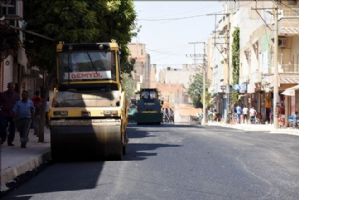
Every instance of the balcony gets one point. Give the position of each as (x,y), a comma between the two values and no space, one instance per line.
(289,68)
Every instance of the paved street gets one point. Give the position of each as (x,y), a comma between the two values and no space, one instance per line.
(179,162)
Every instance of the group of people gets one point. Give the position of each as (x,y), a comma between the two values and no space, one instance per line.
(168,115)
(244,114)
(18,113)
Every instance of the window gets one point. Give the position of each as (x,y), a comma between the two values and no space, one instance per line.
(8,7)
(87,65)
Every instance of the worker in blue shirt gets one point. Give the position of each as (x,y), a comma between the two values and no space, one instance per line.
(23,111)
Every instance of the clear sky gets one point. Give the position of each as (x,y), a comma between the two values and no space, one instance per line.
(167,40)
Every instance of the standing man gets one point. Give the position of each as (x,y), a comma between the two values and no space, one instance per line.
(24,111)
(268,105)
(238,112)
(245,115)
(252,114)
(8,100)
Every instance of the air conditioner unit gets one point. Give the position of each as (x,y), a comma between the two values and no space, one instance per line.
(282,42)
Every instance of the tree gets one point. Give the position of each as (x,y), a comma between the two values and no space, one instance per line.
(76,21)
(129,85)
(195,90)
(235,63)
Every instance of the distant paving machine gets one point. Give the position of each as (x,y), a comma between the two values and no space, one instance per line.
(148,107)
(89,107)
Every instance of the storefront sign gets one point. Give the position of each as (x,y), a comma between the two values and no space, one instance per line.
(236,87)
(243,88)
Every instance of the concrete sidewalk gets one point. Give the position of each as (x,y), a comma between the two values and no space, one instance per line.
(257,127)
(16,161)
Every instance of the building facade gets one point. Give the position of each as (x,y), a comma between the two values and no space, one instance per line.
(142,68)
(14,66)
(176,80)
(257,70)
(173,75)
(238,15)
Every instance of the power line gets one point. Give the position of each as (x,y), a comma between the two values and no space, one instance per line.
(161,52)
(166,64)
(171,19)
(289,7)
(177,18)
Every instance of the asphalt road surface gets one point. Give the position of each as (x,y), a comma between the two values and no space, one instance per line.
(178,162)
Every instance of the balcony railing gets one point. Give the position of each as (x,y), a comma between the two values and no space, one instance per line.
(289,68)
(288,12)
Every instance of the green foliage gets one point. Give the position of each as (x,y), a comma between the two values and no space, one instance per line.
(235,56)
(76,21)
(195,90)
(129,85)
(235,63)
(208,100)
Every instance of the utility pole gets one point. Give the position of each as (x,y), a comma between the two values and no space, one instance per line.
(204,118)
(228,71)
(275,13)
(227,108)
(204,73)
(276,72)
(194,55)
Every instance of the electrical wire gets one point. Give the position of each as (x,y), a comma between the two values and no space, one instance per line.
(161,52)
(292,9)
(266,24)
(262,18)
(178,18)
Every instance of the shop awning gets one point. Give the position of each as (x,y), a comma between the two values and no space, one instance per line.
(290,91)
(289,79)
(289,27)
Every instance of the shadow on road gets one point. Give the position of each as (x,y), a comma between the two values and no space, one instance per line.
(141,151)
(60,177)
(83,175)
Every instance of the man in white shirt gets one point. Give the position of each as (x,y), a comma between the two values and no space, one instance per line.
(252,113)
(245,115)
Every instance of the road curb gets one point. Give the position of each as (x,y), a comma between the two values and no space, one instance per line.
(12,176)
(252,129)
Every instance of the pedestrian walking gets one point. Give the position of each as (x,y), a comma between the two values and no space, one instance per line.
(7,102)
(24,111)
(171,115)
(238,113)
(252,114)
(245,115)
(37,103)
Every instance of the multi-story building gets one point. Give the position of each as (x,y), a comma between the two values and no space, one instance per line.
(257,70)
(256,73)
(174,75)
(237,15)
(12,57)
(142,68)
(14,65)
(172,93)
(176,80)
